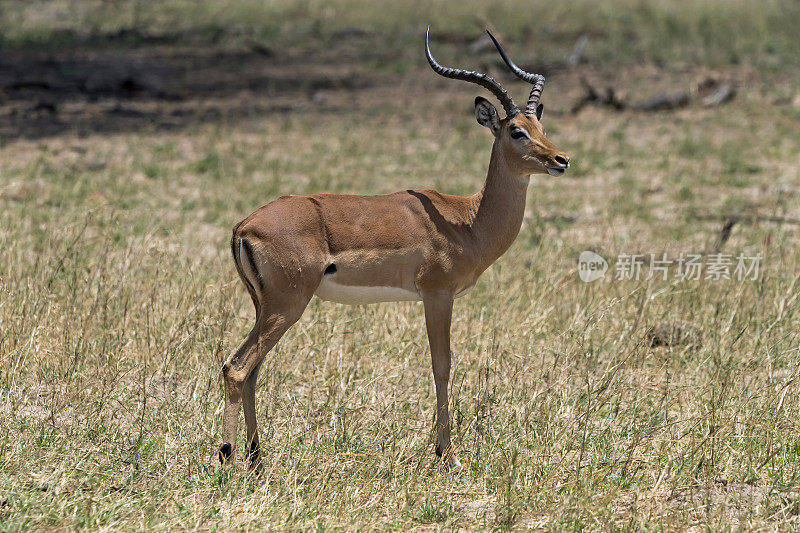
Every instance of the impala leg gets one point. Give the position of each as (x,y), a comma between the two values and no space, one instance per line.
(438,315)
(249,408)
(233,393)
(241,369)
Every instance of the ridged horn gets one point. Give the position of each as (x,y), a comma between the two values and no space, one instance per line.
(536,79)
(473,77)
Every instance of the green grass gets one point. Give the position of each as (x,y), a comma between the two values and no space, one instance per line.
(119,302)
(714,32)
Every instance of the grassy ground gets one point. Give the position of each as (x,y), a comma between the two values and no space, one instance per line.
(718,31)
(119,301)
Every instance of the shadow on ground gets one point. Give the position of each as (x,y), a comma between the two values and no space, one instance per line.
(106,89)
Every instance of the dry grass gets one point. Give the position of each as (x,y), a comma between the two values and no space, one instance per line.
(118,302)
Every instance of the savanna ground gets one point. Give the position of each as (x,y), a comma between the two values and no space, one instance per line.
(133,135)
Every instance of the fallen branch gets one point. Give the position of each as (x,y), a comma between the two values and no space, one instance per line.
(595,97)
(722,95)
(716,94)
(663,102)
(744,219)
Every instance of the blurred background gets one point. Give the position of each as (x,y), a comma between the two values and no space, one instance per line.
(84,65)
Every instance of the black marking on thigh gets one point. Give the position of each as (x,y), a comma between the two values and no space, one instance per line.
(237,261)
(248,250)
(438,451)
(330,269)
(225,452)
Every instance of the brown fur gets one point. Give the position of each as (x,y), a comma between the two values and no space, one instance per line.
(432,244)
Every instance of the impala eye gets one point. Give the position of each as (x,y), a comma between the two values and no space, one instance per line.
(517,134)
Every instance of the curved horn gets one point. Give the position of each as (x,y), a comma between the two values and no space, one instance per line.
(533,99)
(474,77)
(536,79)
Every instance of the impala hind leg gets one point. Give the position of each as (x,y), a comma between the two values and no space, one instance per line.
(438,315)
(240,373)
(249,408)
(230,415)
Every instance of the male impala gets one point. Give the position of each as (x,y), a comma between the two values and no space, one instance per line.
(419,245)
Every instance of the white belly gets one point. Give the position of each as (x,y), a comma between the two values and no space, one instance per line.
(354,294)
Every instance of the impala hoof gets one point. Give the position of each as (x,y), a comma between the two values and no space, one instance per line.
(225,453)
(254,456)
(449,459)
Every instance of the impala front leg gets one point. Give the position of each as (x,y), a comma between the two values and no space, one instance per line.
(438,315)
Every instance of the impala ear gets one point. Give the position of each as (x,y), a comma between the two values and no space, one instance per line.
(539,111)
(486,114)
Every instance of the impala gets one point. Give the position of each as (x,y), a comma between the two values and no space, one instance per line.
(419,245)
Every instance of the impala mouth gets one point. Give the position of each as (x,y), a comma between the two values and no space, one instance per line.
(556,171)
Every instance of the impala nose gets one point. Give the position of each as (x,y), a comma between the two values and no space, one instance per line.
(562,160)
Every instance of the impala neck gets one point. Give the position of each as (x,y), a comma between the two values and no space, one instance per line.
(501,206)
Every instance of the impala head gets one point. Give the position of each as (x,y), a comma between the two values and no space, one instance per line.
(520,135)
